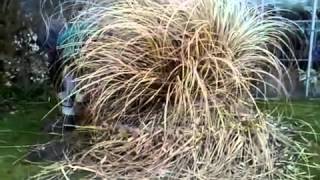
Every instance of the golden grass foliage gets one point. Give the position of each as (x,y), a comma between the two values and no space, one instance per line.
(170,90)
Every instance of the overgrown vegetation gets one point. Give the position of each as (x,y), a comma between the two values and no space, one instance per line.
(27,133)
(169,88)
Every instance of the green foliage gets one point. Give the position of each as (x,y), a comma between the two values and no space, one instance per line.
(35,92)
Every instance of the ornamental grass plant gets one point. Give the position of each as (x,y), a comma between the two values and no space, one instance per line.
(170,92)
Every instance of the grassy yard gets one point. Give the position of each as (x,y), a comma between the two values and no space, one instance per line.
(20,128)
(309,112)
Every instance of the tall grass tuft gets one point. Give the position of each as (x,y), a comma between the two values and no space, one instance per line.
(170,87)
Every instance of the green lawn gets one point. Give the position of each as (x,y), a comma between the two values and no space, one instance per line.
(19,129)
(306,111)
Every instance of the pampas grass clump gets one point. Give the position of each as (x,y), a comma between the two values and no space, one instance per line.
(170,88)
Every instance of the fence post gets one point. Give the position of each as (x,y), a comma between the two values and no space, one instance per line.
(310,58)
